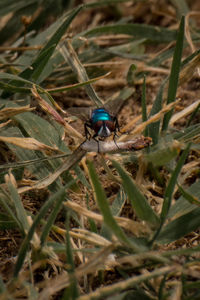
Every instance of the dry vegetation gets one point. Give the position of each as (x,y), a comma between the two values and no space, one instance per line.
(59,238)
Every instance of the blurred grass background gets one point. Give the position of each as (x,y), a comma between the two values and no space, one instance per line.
(90,225)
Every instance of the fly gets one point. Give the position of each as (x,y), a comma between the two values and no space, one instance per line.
(102,123)
(99,120)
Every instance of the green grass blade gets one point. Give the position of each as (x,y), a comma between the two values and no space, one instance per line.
(131,74)
(169,191)
(4,199)
(70,292)
(174,74)
(74,86)
(101,3)
(71,57)
(36,127)
(182,205)
(162,153)
(26,242)
(52,217)
(179,227)
(69,254)
(12,6)
(7,225)
(144,106)
(190,198)
(33,72)
(154,128)
(152,33)
(38,65)
(92,224)
(193,115)
(171,185)
(40,62)
(189,134)
(139,203)
(161,288)
(11,88)
(105,210)
(118,202)
(7,76)
(2,286)
(182,7)
(30,162)
(20,211)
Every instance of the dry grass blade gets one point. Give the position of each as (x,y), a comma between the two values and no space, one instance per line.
(187,28)
(184,113)
(90,237)
(56,116)
(67,165)
(76,85)
(30,143)
(84,235)
(9,112)
(129,283)
(140,128)
(63,280)
(47,108)
(5,124)
(188,72)
(137,259)
(133,226)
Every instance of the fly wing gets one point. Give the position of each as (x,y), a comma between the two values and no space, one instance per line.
(113,106)
(83,113)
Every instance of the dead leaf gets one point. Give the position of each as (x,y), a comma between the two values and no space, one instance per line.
(9,112)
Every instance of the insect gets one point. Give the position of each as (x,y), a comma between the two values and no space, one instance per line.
(102,123)
(99,120)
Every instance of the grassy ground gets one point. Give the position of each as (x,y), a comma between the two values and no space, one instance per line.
(77,224)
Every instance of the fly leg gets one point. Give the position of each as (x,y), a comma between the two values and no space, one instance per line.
(87,132)
(117,128)
(94,138)
(115,134)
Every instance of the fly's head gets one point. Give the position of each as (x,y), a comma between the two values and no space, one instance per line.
(103,128)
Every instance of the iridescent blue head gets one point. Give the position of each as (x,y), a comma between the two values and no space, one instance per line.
(102,122)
